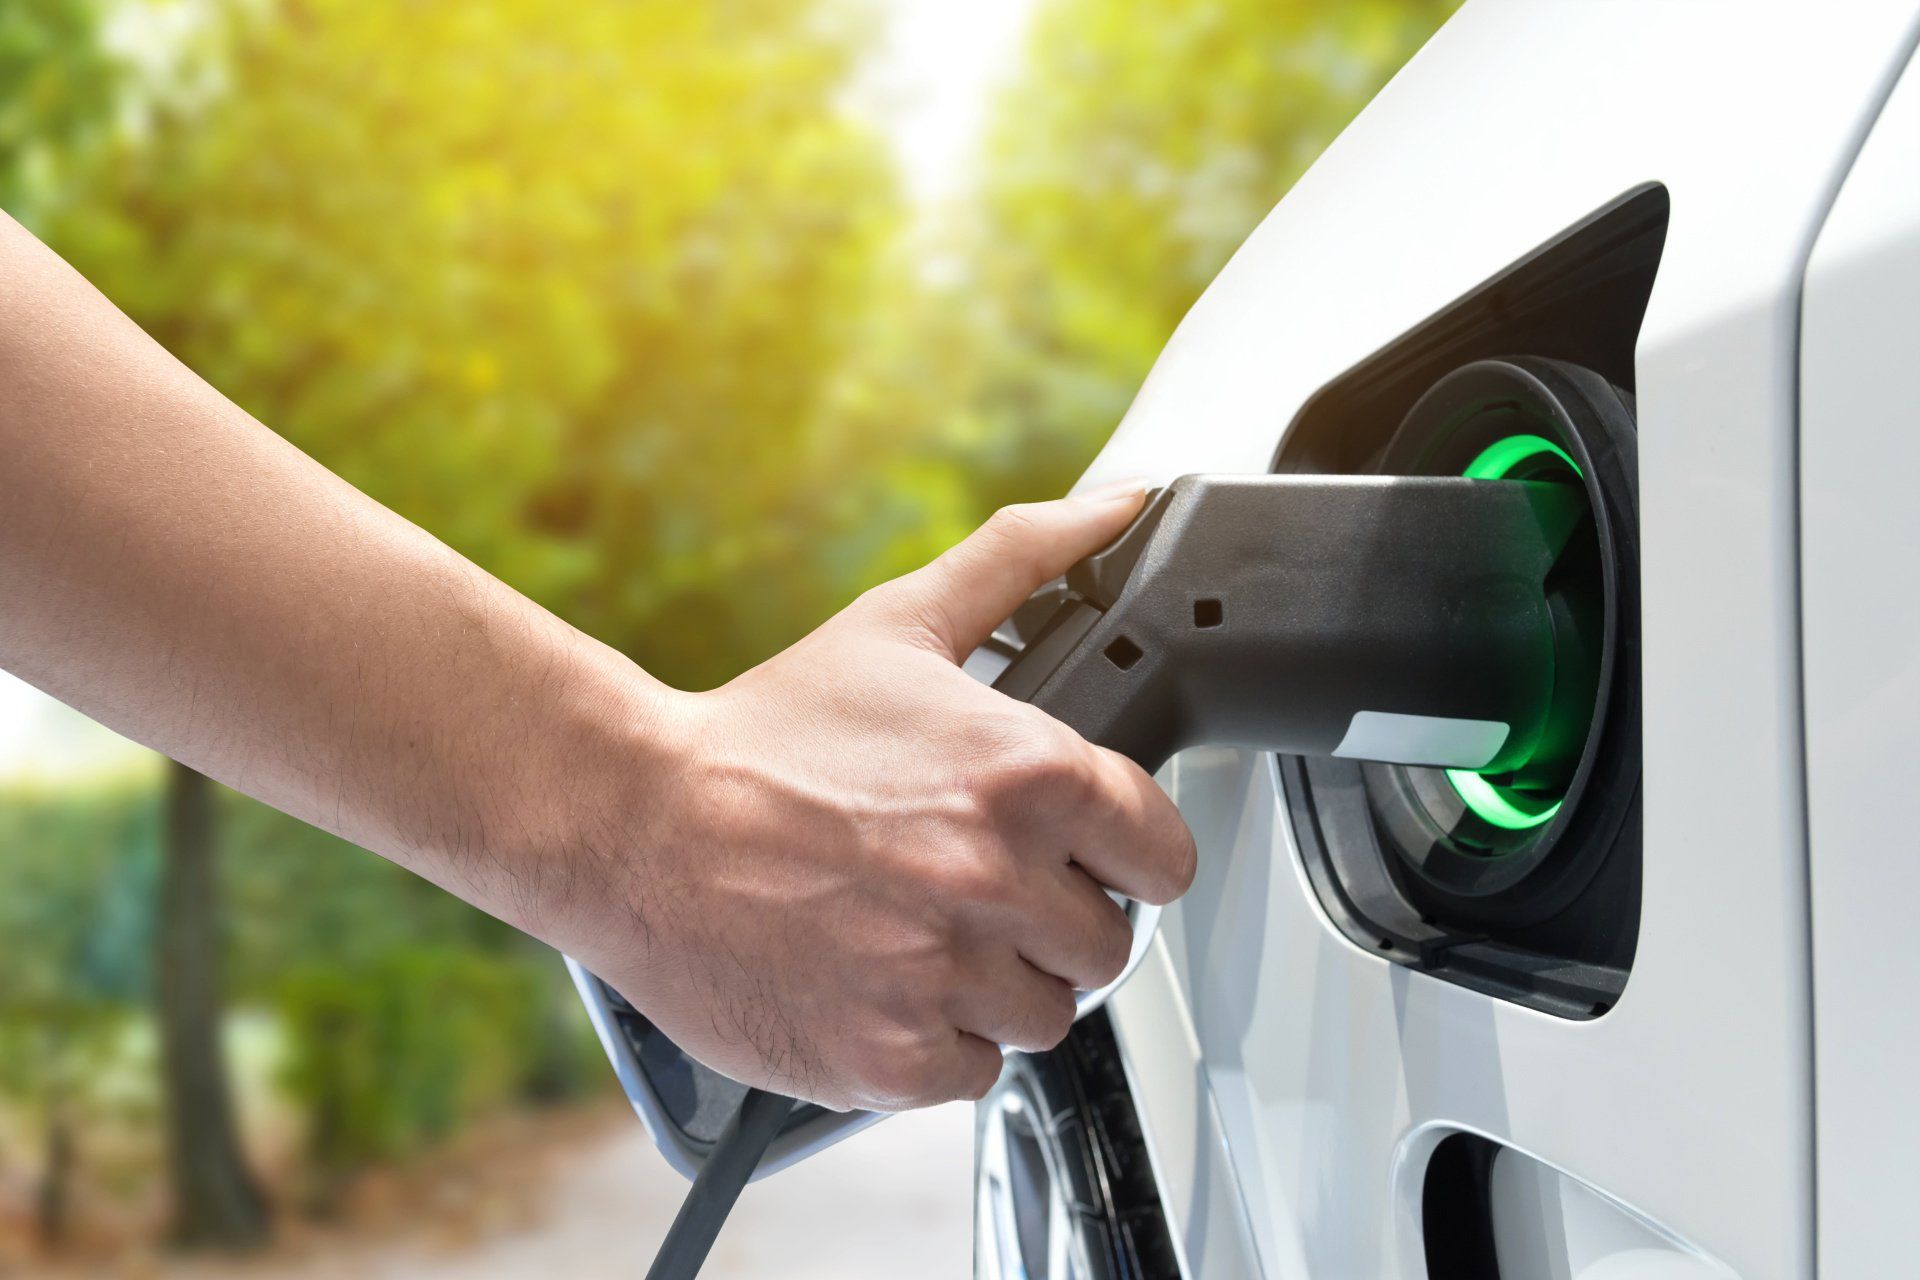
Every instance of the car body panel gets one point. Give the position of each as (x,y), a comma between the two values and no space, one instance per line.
(1860,540)
(1187,1143)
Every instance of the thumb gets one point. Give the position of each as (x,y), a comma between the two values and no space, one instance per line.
(974,587)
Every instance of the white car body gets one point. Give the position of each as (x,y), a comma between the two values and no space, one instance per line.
(1746,1107)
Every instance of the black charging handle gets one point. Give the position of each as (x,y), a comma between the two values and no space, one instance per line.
(1399,619)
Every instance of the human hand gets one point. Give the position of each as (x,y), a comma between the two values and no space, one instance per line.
(871,871)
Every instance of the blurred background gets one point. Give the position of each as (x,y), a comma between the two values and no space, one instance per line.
(689,318)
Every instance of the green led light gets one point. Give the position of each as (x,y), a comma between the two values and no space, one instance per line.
(1502,806)
(1506,807)
(1503,457)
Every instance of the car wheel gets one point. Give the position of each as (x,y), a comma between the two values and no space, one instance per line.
(1062,1186)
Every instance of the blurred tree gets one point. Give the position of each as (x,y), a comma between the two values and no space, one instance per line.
(403,1012)
(1140,146)
(216,1199)
(53,1040)
(1136,149)
(396,1049)
(75,863)
(59,90)
(564,285)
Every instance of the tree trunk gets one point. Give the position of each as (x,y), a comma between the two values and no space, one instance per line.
(216,1201)
(50,1209)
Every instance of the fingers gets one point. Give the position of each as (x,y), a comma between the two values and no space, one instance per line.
(974,587)
(1073,931)
(948,1067)
(1129,836)
(980,1062)
(1011,1003)
(1071,820)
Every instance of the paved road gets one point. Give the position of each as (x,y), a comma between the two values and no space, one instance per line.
(893,1201)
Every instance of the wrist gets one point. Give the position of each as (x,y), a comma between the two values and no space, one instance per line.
(594,783)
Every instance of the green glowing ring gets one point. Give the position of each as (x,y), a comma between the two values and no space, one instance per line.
(1503,457)
(1506,807)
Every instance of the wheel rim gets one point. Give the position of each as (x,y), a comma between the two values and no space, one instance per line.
(1024,1219)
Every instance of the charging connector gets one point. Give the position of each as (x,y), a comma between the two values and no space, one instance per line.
(1398,619)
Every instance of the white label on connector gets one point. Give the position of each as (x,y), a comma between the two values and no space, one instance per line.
(1393,738)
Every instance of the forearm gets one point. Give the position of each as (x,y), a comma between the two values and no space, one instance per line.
(188,578)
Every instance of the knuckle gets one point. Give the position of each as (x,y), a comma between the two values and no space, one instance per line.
(1174,869)
(1068,778)
(1015,742)
(997,805)
(1012,523)
(882,600)
(1010,537)
(1111,948)
(1186,863)
(997,787)
(1044,1020)
(921,985)
(1030,763)
(900,1079)
(982,1074)
(1057,1019)
(973,876)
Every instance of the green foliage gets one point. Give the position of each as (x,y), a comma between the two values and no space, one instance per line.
(1142,145)
(1139,146)
(58,88)
(392,1052)
(405,1011)
(78,869)
(79,872)
(565,285)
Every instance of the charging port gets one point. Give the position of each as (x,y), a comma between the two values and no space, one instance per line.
(1522,882)
(1495,837)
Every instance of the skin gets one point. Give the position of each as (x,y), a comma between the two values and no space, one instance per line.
(848,875)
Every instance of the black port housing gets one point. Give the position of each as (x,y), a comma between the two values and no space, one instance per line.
(1546,916)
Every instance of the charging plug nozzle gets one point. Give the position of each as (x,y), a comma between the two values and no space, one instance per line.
(1379,618)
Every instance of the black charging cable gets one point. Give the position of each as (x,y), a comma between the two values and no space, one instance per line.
(735,1156)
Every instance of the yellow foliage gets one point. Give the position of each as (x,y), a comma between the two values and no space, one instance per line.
(563,283)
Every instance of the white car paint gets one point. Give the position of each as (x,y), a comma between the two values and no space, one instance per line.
(1860,596)
(1285,1076)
